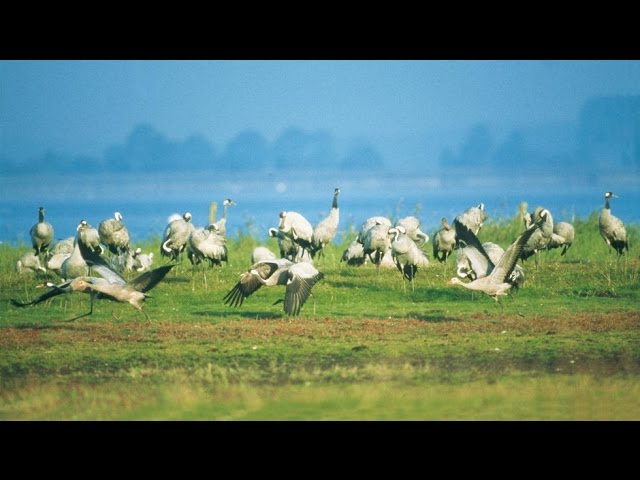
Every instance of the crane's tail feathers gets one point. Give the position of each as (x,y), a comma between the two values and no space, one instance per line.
(409,272)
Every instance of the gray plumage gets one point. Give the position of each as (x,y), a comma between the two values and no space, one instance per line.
(387,261)
(75,265)
(114,234)
(472,263)
(175,237)
(29,262)
(298,228)
(562,236)
(406,254)
(222,223)
(63,246)
(109,286)
(289,249)
(132,260)
(41,234)
(60,251)
(298,278)
(370,222)
(326,230)
(142,261)
(412,229)
(260,254)
(473,218)
(540,239)
(376,242)
(286,245)
(354,254)
(207,244)
(88,240)
(496,283)
(55,262)
(444,241)
(611,228)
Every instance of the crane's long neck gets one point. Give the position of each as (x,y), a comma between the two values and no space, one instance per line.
(41,216)
(76,254)
(334,204)
(224,211)
(457,281)
(606,203)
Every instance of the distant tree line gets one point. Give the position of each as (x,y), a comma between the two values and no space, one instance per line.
(607,136)
(147,149)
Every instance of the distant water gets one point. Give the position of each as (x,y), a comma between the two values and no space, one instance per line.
(146,202)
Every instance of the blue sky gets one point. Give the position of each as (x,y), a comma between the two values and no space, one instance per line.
(82,107)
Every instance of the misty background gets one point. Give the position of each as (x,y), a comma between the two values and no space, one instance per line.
(149,139)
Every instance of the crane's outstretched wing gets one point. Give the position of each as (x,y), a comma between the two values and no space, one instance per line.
(243,289)
(250,281)
(466,238)
(106,273)
(473,249)
(145,282)
(52,292)
(509,258)
(302,277)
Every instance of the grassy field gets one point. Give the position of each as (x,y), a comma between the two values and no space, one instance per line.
(365,347)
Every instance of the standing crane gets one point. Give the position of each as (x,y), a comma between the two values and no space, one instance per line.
(222,223)
(176,236)
(88,240)
(376,242)
(612,229)
(326,230)
(207,244)
(289,249)
(540,238)
(444,241)
(406,254)
(114,234)
(41,234)
(562,236)
(298,228)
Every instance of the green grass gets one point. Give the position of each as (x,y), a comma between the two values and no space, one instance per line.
(567,346)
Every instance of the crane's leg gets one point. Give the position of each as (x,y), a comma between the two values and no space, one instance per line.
(413,275)
(84,314)
(378,260)
(139,308)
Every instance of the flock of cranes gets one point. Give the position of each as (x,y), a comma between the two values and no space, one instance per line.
(483,267)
